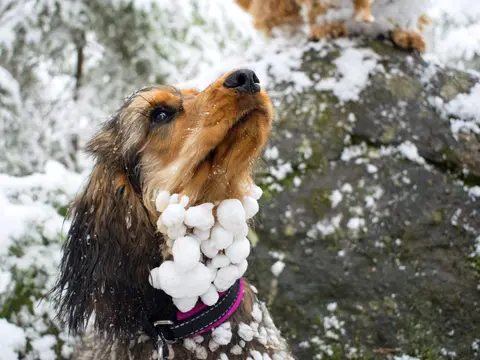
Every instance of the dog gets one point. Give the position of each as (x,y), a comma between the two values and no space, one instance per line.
(201,144)
(402,20)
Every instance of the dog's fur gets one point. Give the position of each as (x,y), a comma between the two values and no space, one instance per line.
(205,150)
(269,14)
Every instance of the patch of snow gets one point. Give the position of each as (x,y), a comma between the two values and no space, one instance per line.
(410,151)
(332,306)
(336,198)
(271,153)
(277,268)
(353,152)
(12,341)
(372,169)
(43,347)
(474,192)
(354,67)
(455,36)
(405,357)
(355,223)
(465,106)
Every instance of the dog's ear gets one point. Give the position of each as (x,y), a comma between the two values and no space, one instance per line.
(110,247)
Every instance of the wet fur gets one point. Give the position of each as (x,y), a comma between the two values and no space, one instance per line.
(207,153)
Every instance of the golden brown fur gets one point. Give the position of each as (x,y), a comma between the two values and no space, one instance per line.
(269,14)
(206,151)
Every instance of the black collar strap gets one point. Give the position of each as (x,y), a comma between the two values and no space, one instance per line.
(169,332)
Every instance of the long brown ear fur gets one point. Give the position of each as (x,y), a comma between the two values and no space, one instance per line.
(110,247)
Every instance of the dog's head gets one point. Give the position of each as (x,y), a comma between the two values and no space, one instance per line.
(196,143)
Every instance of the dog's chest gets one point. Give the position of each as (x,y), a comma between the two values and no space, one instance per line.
(257,339)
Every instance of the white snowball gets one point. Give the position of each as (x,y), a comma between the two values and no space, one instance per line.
(245,332)
(188,344)
(179,284)
(257,313)
(184,200)
(221,237)
(242,267)
(238,251)
(185,304)
(161,226)
(200,216)
(213,346)
(210,297)
(154,275)
(161,202)
(262,336)
(173,199)
(257,355)
(186,253)
(199,241)
(220,261)
(198,339)
(208,248)
(201,234)
(251,206)
(242,233)
(222,335)
(226,277)
(173,216)
(256,192)
(236,350)
(176,232)
(201,353)
(231,215)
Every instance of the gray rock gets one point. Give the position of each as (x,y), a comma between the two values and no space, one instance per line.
(394,253)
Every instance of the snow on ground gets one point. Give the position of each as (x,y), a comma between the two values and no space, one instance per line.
(466,107)
(455,35)
(354,68)
(32,222)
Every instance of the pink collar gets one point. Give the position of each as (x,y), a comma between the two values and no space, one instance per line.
(201,307)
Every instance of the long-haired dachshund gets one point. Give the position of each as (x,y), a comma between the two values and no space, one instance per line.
(402,20)
(199,144)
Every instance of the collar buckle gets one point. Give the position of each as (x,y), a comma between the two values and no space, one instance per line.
(162,323)
(161,342)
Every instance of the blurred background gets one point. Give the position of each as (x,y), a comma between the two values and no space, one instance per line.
(64,67)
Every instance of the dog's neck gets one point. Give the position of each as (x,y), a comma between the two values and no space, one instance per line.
(206,246)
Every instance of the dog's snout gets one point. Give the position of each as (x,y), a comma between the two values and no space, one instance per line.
(244,80)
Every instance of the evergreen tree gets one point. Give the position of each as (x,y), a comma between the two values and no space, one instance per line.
(74,61)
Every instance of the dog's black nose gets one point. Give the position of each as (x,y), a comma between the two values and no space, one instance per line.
(243,81)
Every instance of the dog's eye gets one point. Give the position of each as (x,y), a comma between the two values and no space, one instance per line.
(161,116)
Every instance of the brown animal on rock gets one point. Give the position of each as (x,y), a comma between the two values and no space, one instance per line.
(401,20)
